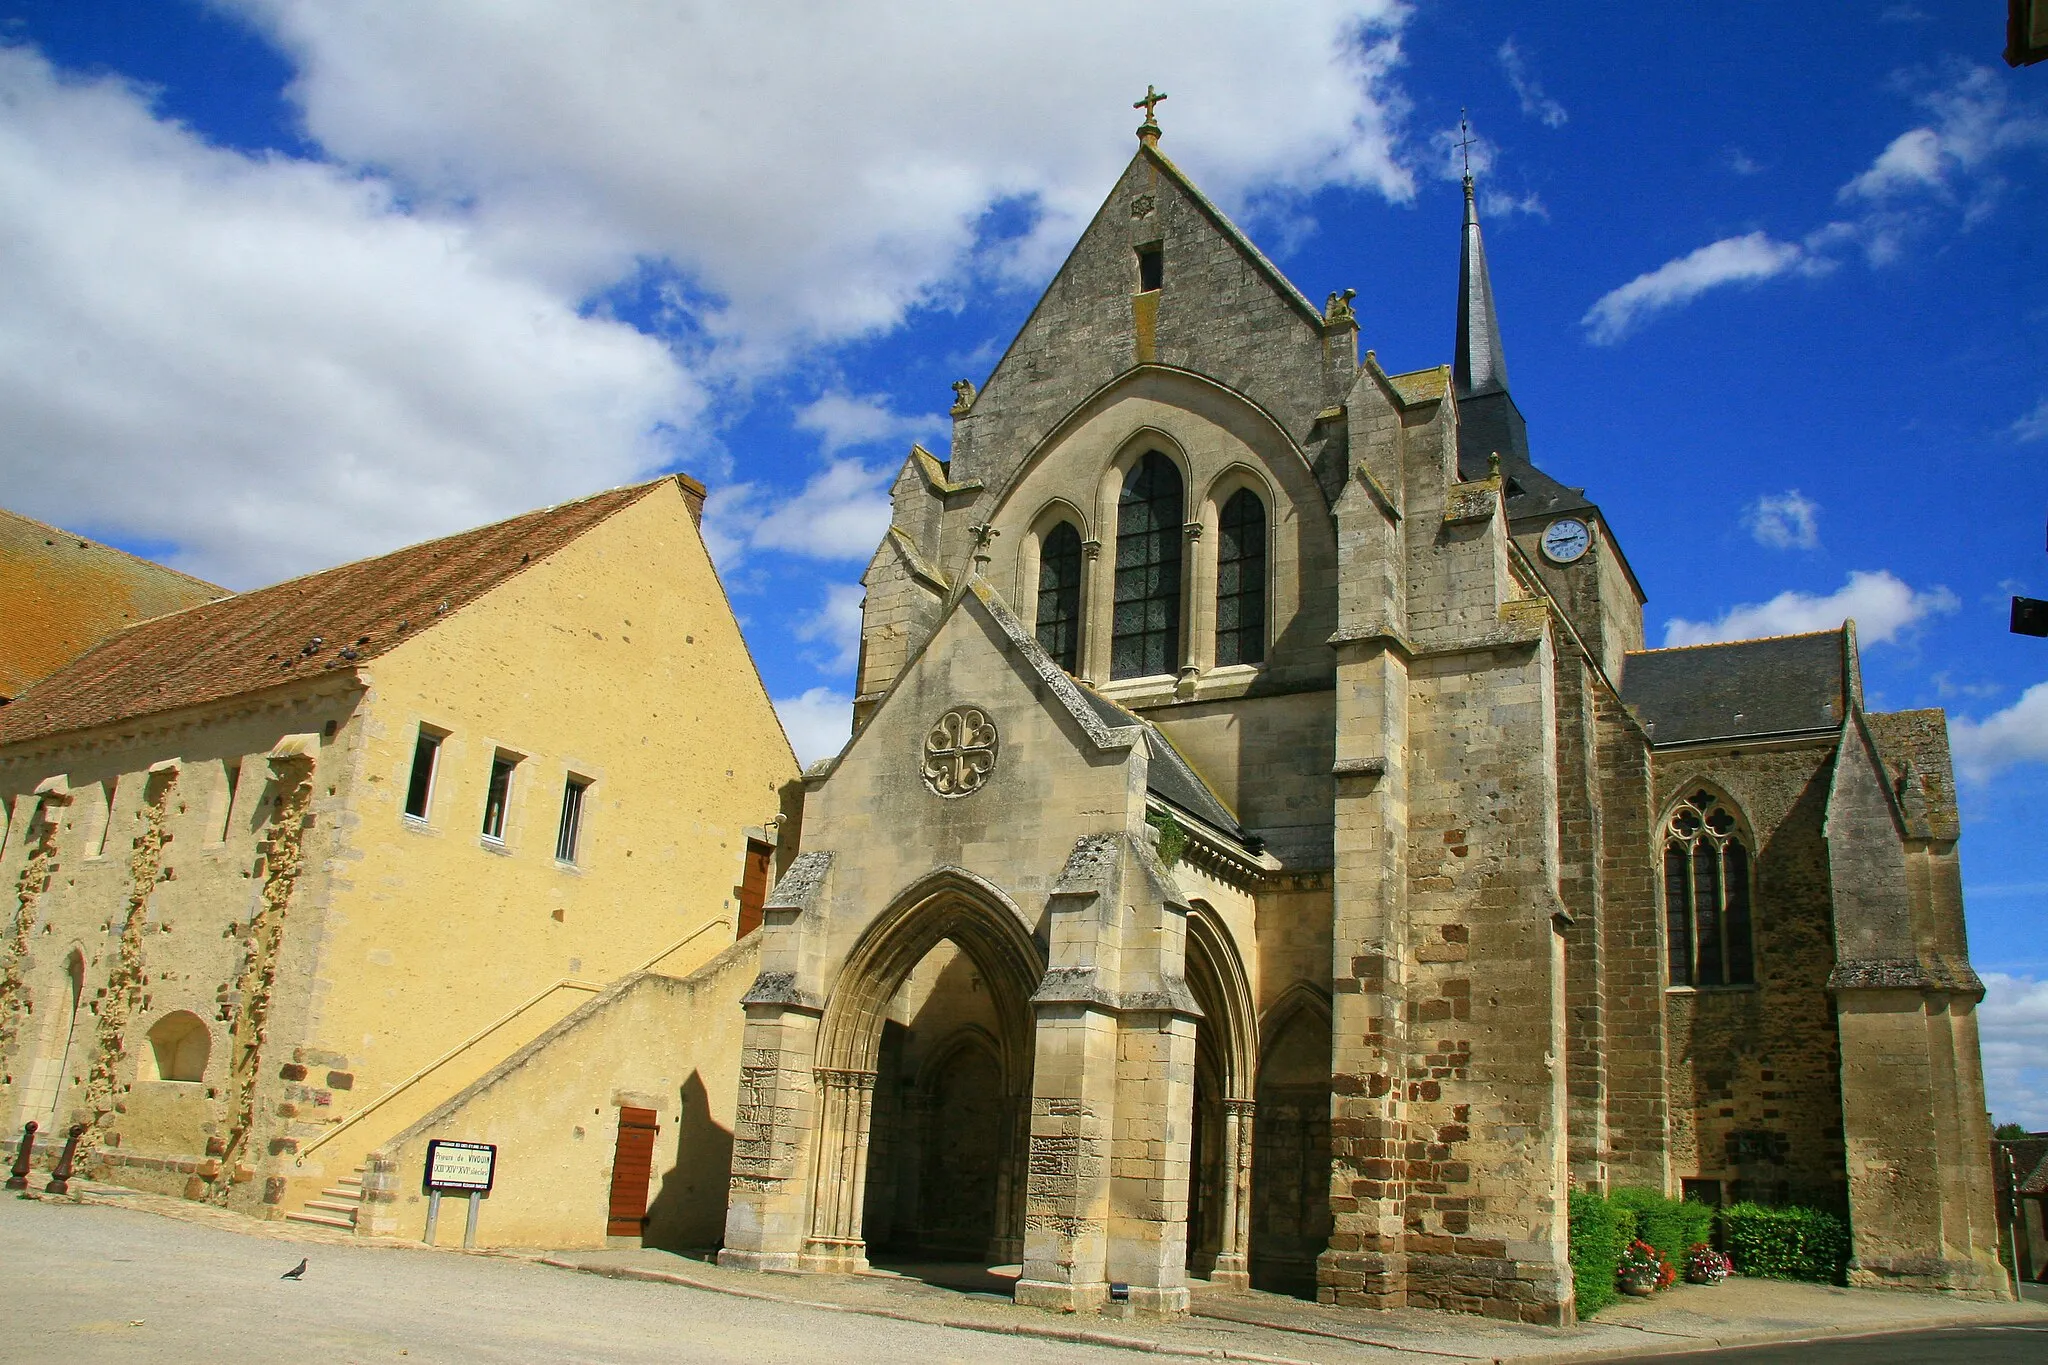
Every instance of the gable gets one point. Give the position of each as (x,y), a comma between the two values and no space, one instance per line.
(1223,311)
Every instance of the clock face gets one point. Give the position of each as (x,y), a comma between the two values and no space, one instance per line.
(1565,539)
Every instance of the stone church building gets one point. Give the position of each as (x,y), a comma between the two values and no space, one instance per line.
(1267,852)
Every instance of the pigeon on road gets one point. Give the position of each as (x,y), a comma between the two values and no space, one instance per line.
(297,1272)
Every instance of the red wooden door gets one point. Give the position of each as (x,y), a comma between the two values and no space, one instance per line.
(632,1169)
(754,887)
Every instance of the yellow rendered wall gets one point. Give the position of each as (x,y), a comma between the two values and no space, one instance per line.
(616,658)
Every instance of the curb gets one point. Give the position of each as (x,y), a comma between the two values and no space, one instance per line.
(1679,1345)
(1065,1335)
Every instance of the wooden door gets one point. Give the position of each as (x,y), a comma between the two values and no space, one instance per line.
(754,886)
(632,1171)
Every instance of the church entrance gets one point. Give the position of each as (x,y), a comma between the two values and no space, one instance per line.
(1291,1154)
(948,1125)
(924,1090)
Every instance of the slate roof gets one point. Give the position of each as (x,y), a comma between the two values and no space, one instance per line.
(63,594)
(1170,777)
(1745,689)
(336,619)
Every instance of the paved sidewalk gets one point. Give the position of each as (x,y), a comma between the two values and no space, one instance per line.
(1232,1324)
(1246,1325)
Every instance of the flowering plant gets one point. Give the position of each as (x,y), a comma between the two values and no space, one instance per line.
(1641,1265)
(1704,1265)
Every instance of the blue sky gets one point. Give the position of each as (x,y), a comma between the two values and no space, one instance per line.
(283,283)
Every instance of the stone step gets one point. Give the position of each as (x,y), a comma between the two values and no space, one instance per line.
(344,1191)
(325,1220)
(340,1206)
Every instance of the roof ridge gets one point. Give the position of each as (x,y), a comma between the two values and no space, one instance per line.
(1745,640)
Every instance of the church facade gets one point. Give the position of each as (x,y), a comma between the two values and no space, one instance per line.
(1267,854)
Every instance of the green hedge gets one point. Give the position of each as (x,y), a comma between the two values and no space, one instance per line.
(1599,1231)
(1670,1225)
(1786,1244)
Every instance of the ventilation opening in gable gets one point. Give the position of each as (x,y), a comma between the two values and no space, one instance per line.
(1151,268)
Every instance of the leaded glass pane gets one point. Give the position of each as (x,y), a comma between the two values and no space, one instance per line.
(1145,636)
(1741,959)
(1241,581)
(1678,911)
(1059,595)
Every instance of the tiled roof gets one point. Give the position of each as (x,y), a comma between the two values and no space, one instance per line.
(63,594)
(336,619)
(1744,689)
(1170,777)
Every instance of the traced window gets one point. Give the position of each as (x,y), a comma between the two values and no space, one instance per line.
(570,831)
(497,794)
(1145,639)
(1059,595)
(754,886)
(178,1047)
(426,756)
(1241,580)
(1706,895)
(1151,268)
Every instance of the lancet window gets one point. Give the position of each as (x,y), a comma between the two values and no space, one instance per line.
(1059,595)
(1706,895)
(1145,635)
(1241,580)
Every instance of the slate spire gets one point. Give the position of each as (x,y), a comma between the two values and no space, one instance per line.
(1480,367)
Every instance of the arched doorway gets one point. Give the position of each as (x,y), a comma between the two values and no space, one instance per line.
(1290,1217)
(1220,1157)
(924,1083)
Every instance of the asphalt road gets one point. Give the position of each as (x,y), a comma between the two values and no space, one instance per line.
(92,1284)
(1972,1345)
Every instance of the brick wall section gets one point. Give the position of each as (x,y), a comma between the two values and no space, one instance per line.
(1756,1075)
(1580,869)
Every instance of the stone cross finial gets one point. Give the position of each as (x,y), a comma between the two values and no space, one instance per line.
(984,541)
(1148,131)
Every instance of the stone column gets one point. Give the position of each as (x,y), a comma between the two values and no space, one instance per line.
(1007,1246)
(1233,1262)
(767,1208)
(1148,1216)
(839,1188)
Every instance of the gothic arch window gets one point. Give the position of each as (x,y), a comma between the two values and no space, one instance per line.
(1706,895)
(1059,595)
(1241,580)
(1145,634)
(179,1046)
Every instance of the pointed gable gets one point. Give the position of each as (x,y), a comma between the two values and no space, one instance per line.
(1223,310)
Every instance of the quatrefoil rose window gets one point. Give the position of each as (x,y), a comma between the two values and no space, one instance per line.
(960,751)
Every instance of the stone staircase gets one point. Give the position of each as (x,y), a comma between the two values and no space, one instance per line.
(337,1205)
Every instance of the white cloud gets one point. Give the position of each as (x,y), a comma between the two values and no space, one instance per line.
(270,365)
(818,723)
(1784,521)
(836,625)
(1880,604)
(1741,162)
(2017,734)
(841,420)
(842,513)
(1950,162)
(1499,204)
(2033,426)
(2012,1024)
(815,171)
(1755,256)
(1535,103)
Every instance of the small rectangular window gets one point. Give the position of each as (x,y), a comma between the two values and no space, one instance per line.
(1151,268)
(420,792)
(571,829)
(497,794)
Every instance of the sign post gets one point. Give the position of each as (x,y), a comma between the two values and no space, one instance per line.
(464,1168)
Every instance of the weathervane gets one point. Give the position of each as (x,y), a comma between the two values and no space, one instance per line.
(1464,144)
(1148,131)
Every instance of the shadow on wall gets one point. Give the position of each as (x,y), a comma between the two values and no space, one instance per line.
(688,1211)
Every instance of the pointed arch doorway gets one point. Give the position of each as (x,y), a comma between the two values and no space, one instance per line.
(924,1086)
(1220,1155)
